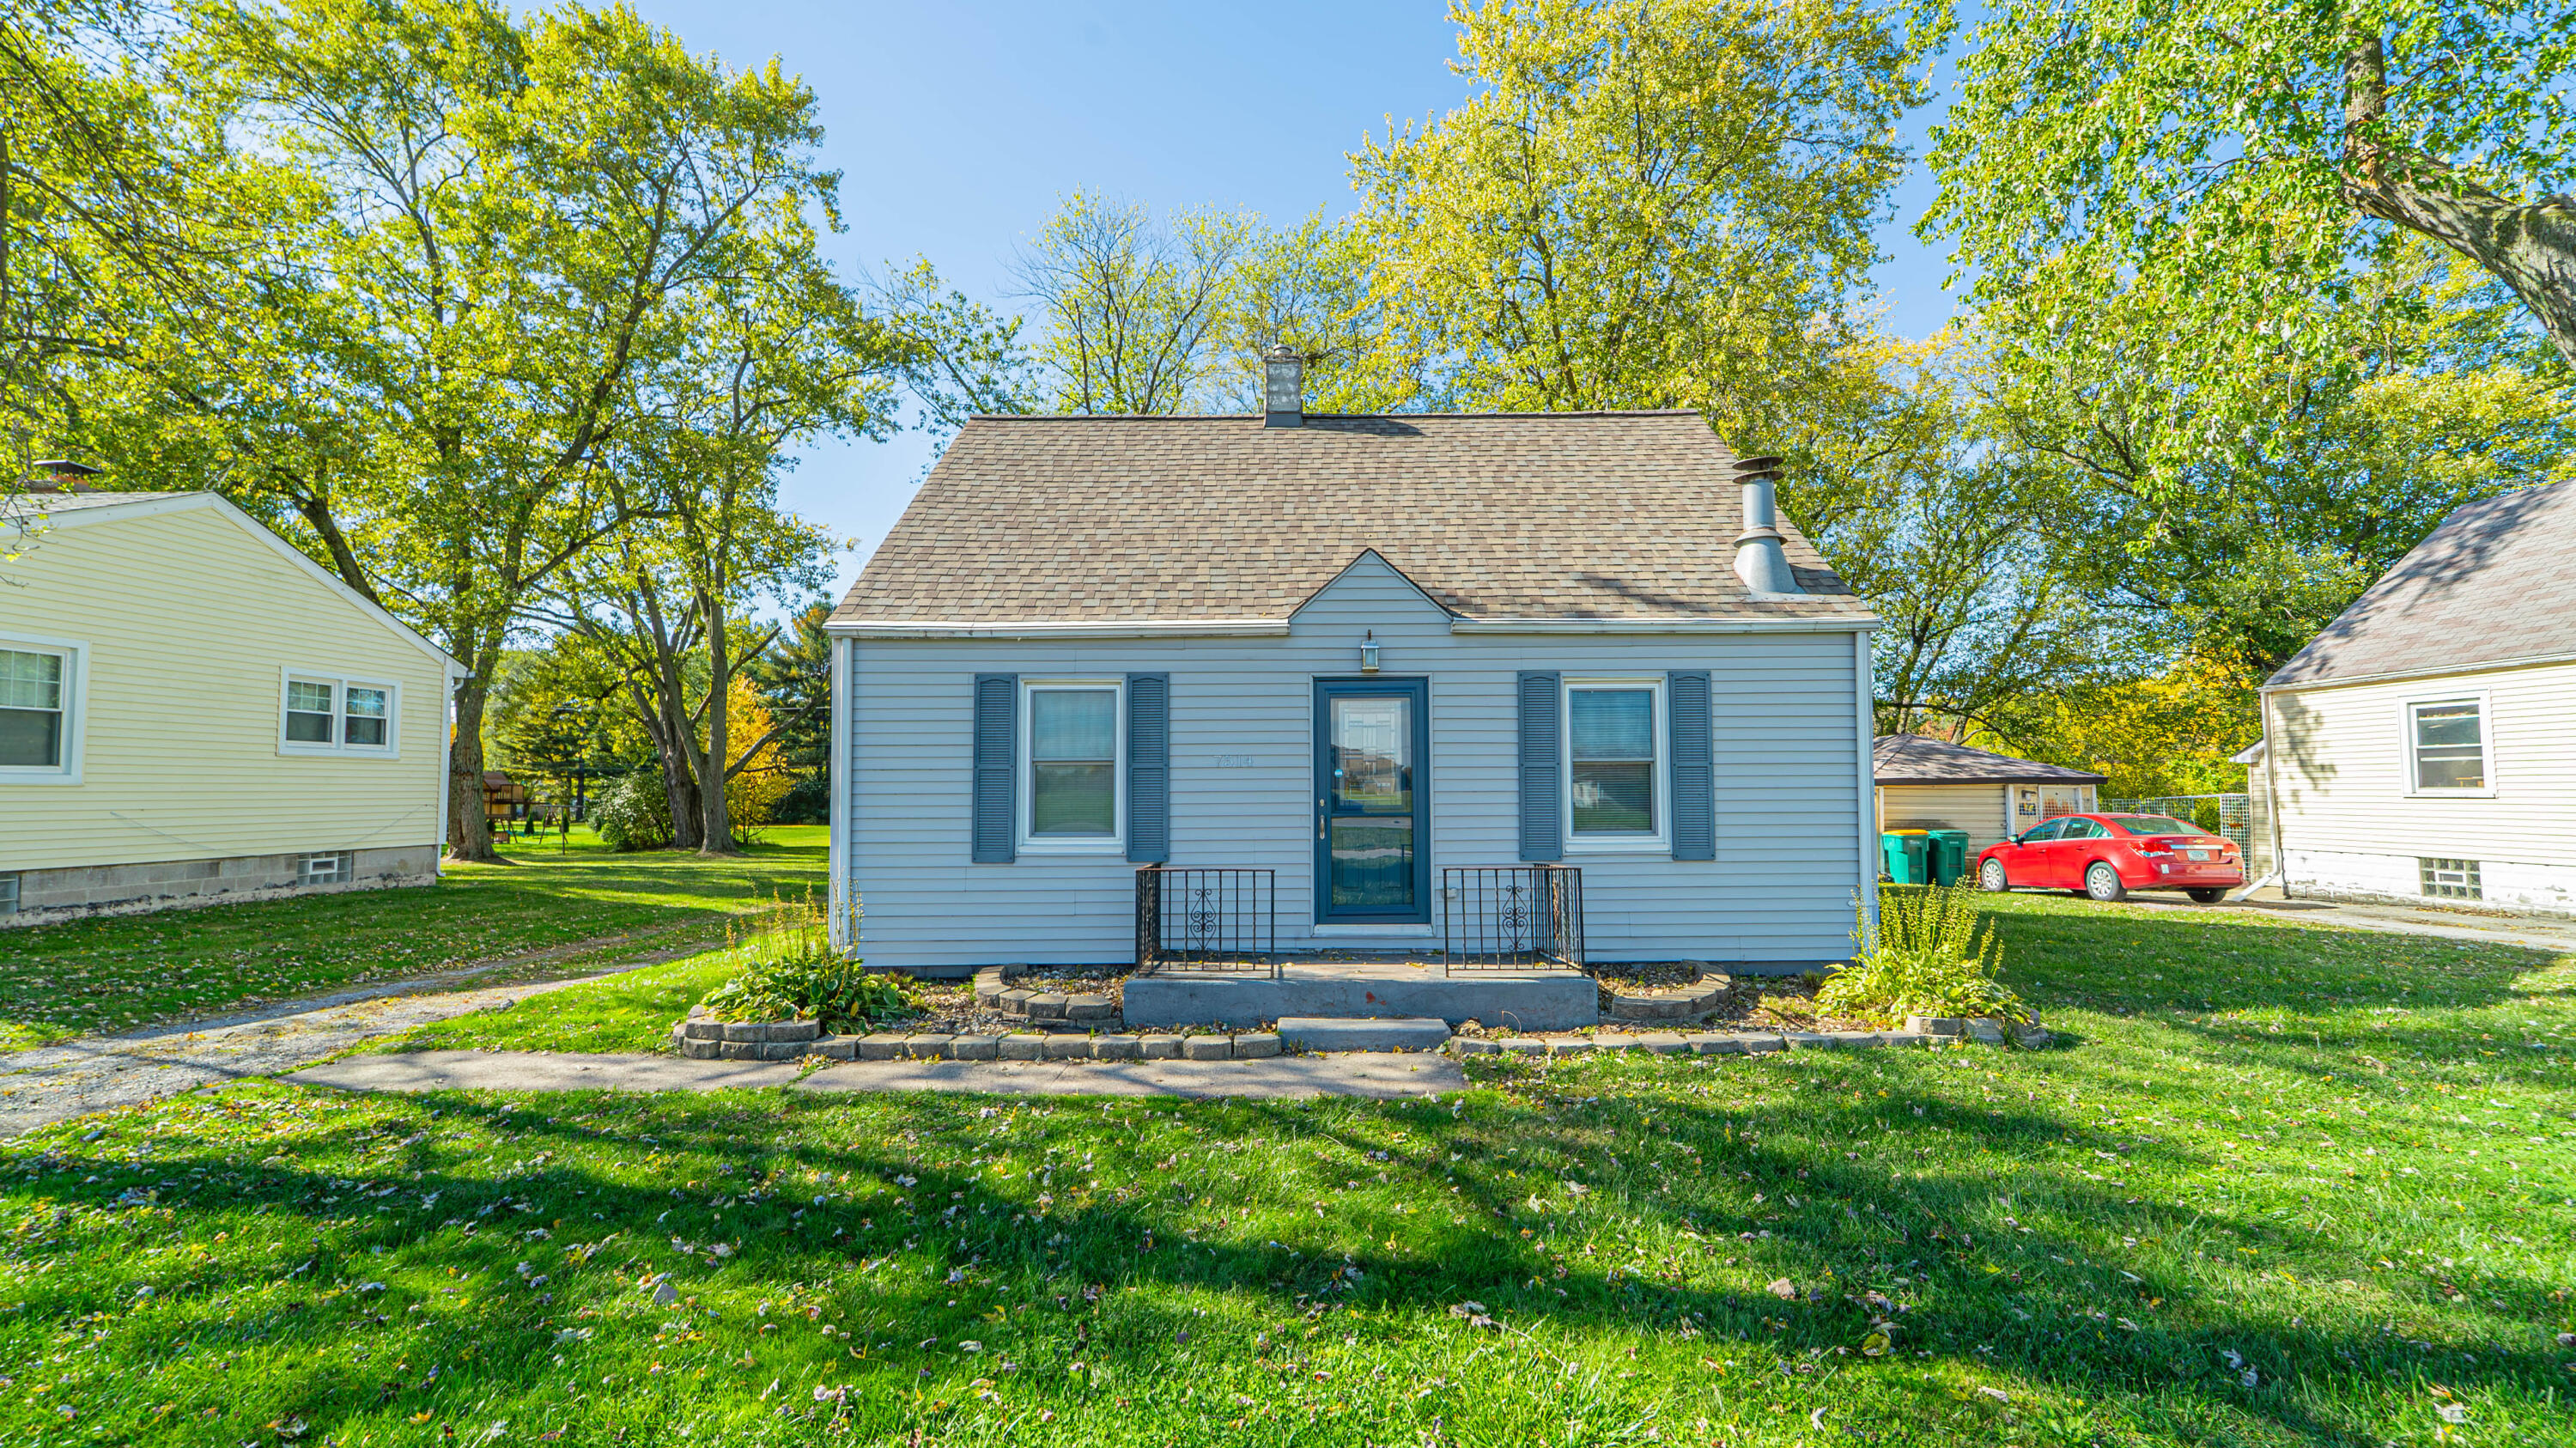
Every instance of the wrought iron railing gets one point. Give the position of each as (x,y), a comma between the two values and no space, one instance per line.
(1207,919)
(1511,917)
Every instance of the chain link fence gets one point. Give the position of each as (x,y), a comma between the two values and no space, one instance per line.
(2228,815)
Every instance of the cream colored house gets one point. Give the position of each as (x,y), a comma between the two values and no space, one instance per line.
(2421,748)
(1933,784)
(191,711)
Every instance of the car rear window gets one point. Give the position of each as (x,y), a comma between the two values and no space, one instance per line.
(2155,825)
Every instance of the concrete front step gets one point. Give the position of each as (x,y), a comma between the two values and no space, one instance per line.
(1533,1000)
(1344,1033)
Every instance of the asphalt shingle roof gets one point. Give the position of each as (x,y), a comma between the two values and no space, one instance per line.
(32,504)
(1915,759)
(1629,515)
(2496,582)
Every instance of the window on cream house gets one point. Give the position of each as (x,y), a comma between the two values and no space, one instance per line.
(2448,740)
(35,708)
(323,714)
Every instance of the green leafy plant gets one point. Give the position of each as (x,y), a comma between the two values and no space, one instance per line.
(791,972)
(634,813)
(1933,956)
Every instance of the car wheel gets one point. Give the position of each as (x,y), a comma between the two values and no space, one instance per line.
(2102,882)
(1990,876)
(2208,895)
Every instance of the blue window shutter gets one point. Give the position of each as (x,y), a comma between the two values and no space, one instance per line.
(997,737)
(1149,768)
(1542,769)
(1694,771)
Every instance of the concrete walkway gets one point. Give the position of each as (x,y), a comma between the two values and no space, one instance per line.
(1373,1074)
(95,1073)
(2530,932)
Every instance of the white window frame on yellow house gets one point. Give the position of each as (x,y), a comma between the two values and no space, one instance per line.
(340,686)
(73,704)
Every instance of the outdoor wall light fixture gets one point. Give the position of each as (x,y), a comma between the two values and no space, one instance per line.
(1368,653)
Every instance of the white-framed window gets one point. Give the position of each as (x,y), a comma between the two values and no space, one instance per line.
(334,867)
(2447,746)
(43,688)
(9,894)
(1616,755)
(320,713)
(2451,879)
(1073,779)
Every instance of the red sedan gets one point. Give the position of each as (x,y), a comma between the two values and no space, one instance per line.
(2106,856)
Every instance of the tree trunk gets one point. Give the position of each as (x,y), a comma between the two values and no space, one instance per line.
(719,838)
(2528,246)
(469,833)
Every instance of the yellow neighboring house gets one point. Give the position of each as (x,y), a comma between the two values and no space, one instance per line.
(192,711)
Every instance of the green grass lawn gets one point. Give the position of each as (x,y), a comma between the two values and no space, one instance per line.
(2285,1186)
(629,1011)
(121,972)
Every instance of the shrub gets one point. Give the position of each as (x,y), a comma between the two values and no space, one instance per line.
(792,973)
(1933,957)
(634,813)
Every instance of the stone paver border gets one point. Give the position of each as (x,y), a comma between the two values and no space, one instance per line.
(1708,991)
(1919,1031)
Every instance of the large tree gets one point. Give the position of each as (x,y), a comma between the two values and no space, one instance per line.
(1658,205)
(2249,159)
(778,357)
(513,219)
(1131,307)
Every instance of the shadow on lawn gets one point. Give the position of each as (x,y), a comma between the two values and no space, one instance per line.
(1937,1242)
(2127,959)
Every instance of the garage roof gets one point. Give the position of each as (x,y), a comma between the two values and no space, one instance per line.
(1915,759)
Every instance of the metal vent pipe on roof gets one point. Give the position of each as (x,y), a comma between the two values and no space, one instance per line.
(1759,559)
(1283,372)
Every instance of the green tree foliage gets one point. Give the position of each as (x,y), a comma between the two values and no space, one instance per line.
(2242,165)
(493,239)
(2234,524)
(1641,206)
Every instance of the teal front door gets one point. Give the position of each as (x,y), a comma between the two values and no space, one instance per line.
(1372,841)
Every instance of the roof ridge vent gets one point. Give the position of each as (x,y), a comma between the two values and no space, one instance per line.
(1759,559)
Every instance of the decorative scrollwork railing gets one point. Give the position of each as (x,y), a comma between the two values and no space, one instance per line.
(1207,919)
(1511,917)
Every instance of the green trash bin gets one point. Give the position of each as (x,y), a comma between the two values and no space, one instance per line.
(1949,855)
(1906,855)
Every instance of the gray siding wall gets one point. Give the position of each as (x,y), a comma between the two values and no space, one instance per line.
(1788,764)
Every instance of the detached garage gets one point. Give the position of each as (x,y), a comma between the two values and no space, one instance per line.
(1932,784)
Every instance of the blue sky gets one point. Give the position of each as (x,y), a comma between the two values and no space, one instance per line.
(958,124)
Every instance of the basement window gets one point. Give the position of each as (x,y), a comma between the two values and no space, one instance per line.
(2451,879)
(8,894)
(335,868)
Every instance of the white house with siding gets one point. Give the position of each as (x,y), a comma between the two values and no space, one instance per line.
(193,711)
(1355,652)
(2419,748)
